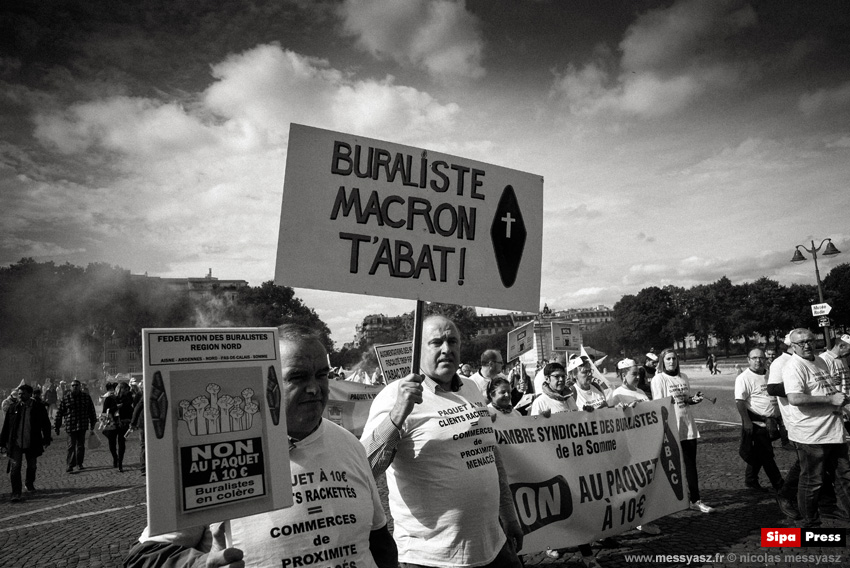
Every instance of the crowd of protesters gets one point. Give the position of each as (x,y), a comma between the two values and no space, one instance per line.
(797,392)
(29,413)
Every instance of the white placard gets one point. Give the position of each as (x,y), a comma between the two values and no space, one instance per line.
(371,217)
(566,336)
(395,360)
(520,340)
(214,419)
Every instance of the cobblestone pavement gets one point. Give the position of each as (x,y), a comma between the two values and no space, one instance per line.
(93,517)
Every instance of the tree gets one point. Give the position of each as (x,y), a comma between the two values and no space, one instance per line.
(680,323)
(644,319)
(607,338)
(726,311)
(767,300)
(836,292)
(271,305)
(464,318)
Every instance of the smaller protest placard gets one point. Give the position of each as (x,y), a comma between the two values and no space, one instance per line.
(395,359)
(214,422)
(520,340)
(566,336)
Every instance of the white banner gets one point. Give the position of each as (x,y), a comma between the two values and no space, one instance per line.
(578,476)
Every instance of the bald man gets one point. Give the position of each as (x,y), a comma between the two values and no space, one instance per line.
(433,436)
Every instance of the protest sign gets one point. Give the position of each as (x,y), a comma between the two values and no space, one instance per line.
(395,360)
(520,340)
(566,336)
(349,403)
(372,217)
(578,476)
(212,410)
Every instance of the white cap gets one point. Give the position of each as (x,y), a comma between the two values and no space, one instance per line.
(626,364)
(575,363)
(787,340)
(652,356)
(845,338)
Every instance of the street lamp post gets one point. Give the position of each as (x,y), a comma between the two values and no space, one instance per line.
(829,251)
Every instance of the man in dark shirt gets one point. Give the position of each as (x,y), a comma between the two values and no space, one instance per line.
(25,434)
(78,410)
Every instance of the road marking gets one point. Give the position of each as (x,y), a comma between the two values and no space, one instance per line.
(66,504)
(720,422)
(71,518)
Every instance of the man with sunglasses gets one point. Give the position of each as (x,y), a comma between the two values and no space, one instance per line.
(815,425)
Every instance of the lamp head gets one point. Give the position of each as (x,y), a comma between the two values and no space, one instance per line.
(830,249)
(798,256)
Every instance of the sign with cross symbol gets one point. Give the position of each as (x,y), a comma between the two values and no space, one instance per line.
(373,217)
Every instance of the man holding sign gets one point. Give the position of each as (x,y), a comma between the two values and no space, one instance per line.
(433,435)
(337,512)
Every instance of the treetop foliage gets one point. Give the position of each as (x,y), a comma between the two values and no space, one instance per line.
(656,317)
(64,301)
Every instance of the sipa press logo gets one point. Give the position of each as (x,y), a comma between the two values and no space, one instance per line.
(788,537)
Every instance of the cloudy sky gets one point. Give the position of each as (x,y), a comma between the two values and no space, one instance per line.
(680,141)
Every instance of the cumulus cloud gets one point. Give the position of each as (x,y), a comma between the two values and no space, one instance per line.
(440,36)
(206,171)
(127,125)
(270,87)
(670,56)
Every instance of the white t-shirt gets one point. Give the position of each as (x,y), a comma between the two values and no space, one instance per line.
(811,424)
(840,373)
(838,369)
(679,388)
(544,402)
(334,497)
(480,381)
(590,397)
(539,379)
(752,389)
(624,395)
(495,411)
(443,482)
(774,376)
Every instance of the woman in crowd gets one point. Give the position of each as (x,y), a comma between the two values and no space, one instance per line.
(556,395)
(628,393)
(499,397)
(117,414)
(588,393)
(670,382)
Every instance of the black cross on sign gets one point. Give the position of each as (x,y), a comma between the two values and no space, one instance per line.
(508,235)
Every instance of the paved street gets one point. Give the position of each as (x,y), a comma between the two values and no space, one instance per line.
(92,518)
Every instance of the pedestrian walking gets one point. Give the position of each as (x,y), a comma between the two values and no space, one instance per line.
(25,434)
(77,409)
